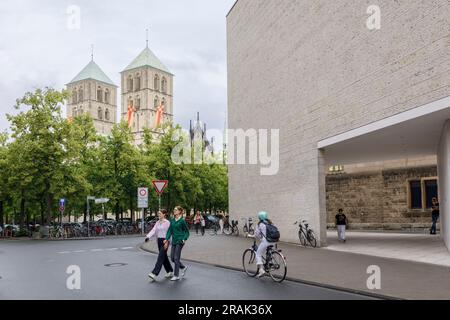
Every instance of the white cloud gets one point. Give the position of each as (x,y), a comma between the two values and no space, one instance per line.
(37,49)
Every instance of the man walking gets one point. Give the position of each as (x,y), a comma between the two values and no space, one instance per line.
(434,214)
(341,223)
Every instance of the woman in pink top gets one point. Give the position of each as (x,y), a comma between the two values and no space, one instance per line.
(160,231)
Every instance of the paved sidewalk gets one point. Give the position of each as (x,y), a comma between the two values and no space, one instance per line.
(399,278)
(416,247)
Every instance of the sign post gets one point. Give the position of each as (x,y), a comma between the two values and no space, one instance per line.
(62,207)
(102,201)
(160,185)
(142,204)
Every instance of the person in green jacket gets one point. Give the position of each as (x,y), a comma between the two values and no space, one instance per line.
(179,232)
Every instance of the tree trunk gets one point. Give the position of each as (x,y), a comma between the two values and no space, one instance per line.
(22,209)
(42,213)
(1,213)
(48,200)
(117,210)
(131,209)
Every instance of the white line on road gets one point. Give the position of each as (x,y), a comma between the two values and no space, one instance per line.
(64,252)
(79,251)
(126,248)
(112,249)
(96,250)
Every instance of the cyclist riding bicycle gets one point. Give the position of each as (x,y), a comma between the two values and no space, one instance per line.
(269,235)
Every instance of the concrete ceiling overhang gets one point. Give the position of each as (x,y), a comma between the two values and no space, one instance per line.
(408,134)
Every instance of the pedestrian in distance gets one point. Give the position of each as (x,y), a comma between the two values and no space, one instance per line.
(434,214)
(159,231)
(341,224)
(179,233)
(221,223)
(203,224)
(197,221)
(268,235)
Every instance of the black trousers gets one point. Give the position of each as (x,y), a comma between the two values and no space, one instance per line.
(175,254)
(163,259)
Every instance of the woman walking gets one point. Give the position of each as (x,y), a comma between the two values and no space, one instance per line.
(179,233)
(160,231)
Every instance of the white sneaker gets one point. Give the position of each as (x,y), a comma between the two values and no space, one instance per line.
(152,276)
(174,278)
(183,271)
(169,275)
(261,273)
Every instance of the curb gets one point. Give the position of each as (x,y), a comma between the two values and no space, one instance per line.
(73,239)
(297,280)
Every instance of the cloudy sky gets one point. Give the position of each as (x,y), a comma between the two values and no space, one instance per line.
(39,47)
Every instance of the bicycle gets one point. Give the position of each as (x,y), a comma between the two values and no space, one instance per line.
(274,262)
(306,234)
(214,227)
(231,229)
(248,226)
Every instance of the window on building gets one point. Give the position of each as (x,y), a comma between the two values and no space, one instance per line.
(130,84)
(156,83)
(107,96)
(99,94)
(156,102)
(107,114)
(80,95)
(163,102)
(80,111)
(431,191)
(138,83)
(74,112)
(138,103)
(74,96)
(164,85)
(415,188)
(100,113)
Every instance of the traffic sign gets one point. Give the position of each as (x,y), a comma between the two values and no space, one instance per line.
(142,198)
(101,200)
(160,185)
(62,205)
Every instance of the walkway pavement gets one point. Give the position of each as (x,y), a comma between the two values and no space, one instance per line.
(399,278)
(424,248)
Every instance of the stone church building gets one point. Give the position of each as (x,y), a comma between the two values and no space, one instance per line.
(146,84)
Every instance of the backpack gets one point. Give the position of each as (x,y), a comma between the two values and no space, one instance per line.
(272,233)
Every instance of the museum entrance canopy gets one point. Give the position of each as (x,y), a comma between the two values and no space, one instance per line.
(408,134)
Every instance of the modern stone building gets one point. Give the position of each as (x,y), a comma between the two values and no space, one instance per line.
(93,92)
(340,92)
(146,85)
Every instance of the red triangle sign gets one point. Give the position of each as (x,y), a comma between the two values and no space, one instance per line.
(160,185)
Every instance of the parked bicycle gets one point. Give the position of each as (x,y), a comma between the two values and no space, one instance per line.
(248,226)
(232,228)
(306,234)
(274,262)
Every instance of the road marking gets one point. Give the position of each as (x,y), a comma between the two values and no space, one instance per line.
(64,252)
(79,251)
(126,248)
(96,250)
(112,249)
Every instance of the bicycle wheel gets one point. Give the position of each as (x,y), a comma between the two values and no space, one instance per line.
(213,231)
(227,230)
(302,237)
(251,231)
(277,267)
(236,231)
(312,238)
(249,263)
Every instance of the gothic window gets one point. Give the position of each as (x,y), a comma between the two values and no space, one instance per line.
(156,83)
(138,103)
(107,96)
(164,85)
(163,102)
(100,113)
(80,94)
(137,83)
(107,114)
(130,83)
(74,112)
(99,94)
(74,96)
(156,102)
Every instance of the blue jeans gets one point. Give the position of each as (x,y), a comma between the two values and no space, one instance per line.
(433,226)
(175,254)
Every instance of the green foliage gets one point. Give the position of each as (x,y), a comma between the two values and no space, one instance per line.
(47,157)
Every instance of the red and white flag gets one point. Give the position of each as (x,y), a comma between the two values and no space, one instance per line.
(130,114)
(159,115)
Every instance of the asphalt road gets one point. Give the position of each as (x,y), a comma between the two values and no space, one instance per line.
(37,270)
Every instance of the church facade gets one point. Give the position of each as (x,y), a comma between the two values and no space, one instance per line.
(146,87)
